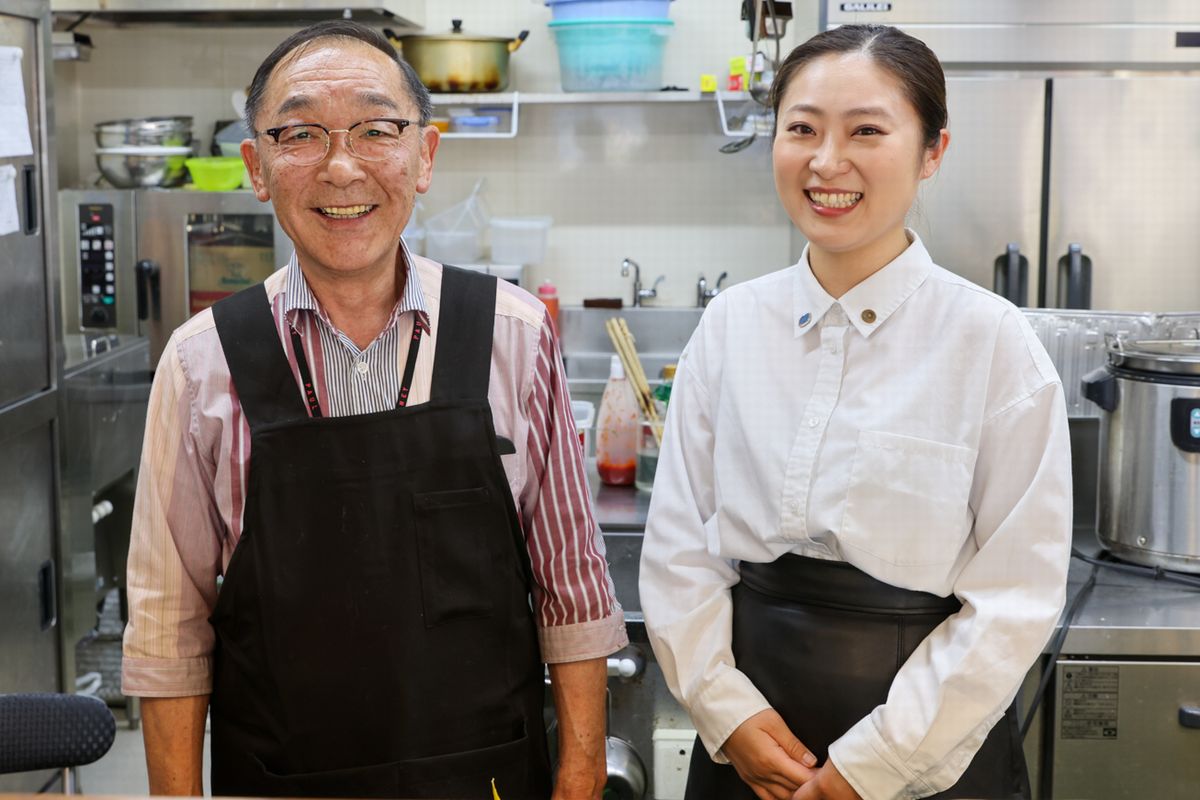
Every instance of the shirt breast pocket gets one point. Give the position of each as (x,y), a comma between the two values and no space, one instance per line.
(907,502)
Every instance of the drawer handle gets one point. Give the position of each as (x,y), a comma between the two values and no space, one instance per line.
(1189,716)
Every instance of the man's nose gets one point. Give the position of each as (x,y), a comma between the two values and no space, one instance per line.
(341,165)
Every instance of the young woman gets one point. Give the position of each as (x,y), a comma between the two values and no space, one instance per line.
(859,534)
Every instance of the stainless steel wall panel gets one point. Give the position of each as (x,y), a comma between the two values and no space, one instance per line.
(987,192)
(1124,159)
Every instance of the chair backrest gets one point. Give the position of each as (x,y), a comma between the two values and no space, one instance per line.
(52,731)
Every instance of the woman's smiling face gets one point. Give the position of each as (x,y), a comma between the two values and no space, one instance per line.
(849,153)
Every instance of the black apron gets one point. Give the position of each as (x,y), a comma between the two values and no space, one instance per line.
(822,641)
(374,631)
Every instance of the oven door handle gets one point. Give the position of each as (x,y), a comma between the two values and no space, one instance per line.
(148,301)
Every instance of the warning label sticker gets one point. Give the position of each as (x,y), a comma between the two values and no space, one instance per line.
(1090,696)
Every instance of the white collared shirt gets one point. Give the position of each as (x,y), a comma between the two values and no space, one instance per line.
(914,428)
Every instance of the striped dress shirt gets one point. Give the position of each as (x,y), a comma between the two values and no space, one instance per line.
(196,456)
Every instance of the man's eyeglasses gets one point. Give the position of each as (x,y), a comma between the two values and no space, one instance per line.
(308,144)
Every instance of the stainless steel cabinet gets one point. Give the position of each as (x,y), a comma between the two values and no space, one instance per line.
(1125,154)
(25,357)
(1119,732)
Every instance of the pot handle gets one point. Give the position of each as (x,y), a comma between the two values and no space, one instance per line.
(516,43)
(1100,387)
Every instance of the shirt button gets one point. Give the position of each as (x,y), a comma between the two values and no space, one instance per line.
(362,367)
(868,316)
(813,422)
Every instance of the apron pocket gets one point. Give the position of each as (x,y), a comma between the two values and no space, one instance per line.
(456,535)
(466,774)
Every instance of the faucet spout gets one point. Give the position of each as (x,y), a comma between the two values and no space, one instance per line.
(637,279)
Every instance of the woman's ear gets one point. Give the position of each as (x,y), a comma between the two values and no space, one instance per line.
(933,155)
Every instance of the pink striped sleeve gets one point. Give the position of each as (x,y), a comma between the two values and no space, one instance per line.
(578,613)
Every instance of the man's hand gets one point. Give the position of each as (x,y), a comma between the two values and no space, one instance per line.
(829,784)
(579,688)
(771,761)
(173,730)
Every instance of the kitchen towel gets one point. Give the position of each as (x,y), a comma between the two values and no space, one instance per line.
(14,120)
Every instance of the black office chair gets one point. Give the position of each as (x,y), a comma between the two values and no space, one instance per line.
(53,731)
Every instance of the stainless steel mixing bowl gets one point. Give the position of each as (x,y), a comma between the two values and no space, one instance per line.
(145,132)
(137,170)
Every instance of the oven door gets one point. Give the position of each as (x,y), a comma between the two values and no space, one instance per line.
(196,247)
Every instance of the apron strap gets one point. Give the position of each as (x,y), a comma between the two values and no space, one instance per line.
(261,374)
(467,317)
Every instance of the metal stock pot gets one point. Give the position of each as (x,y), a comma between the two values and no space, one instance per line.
(457,62)
(1149,490)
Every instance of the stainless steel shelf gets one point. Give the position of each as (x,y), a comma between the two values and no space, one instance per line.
(567,98)
(398,13)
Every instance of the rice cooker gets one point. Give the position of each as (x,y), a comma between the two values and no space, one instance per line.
(1148,507)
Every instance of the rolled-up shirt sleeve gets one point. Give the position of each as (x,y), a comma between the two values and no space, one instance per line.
(175,548)
(963,676)
(577,611)
(684,586)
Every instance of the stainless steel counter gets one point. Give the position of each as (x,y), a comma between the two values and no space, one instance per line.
(1124,615)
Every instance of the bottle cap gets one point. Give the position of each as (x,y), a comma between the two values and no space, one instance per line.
(547,289)
(668,372)
(615,368)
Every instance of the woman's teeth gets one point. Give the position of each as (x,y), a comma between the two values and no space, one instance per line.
(345,212)
(835,200)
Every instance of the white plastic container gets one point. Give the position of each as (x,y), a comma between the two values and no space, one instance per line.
(519,240)
(453,246)
(584,414)
(616,429)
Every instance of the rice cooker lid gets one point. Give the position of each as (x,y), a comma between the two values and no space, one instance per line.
(1169,356)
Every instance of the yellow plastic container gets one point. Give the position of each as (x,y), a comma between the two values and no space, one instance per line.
(216,173)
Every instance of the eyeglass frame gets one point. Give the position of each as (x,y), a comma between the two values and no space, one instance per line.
(274,133)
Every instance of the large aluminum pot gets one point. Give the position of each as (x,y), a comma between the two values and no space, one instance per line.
(456,62)
(1148,507)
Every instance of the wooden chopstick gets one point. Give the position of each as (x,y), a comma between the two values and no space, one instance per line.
(624,344)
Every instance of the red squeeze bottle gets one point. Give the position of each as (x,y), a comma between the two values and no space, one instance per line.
(548,294)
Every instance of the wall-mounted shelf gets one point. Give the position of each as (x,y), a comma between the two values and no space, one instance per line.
(514,101)
(398,13)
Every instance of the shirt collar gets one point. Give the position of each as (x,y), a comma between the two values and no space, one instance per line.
(869,304)
(297,295)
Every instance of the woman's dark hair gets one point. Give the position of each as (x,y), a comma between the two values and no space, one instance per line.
(335,29)
(904,56)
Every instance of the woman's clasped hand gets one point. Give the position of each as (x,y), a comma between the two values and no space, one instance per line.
(777,766)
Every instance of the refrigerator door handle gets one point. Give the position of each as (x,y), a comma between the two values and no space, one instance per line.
(1010,277)
(29,175)
(1074,278)
(148,300)
(48,593)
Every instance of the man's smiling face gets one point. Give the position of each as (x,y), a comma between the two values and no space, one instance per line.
(344,215)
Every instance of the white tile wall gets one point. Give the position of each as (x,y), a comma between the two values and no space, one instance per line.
(643,181)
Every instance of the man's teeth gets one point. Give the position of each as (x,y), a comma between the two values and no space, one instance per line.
(345,212)
(835,200)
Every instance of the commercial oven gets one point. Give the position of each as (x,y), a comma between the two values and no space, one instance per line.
(143,261)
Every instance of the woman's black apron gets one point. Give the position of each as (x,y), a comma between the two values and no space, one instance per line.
(374,630)
(822,641)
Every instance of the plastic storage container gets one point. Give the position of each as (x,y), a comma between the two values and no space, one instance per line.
(584,414)
(616,430)
(611,55)
(519,240)
(486,123)
(607,9)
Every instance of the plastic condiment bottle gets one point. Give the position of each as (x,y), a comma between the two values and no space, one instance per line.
(548,294)
(616,429)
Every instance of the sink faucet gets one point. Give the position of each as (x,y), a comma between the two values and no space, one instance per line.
(640,294)
(705,294)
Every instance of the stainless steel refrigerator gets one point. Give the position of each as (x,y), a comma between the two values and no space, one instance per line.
(29,374)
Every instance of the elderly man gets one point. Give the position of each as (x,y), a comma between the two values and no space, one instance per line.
(377,454)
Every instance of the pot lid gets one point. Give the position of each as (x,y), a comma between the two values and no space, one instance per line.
(1172,356)
(455,34)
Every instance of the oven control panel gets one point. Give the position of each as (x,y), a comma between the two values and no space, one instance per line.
(97,267)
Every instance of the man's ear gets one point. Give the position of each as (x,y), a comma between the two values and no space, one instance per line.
(254,166)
